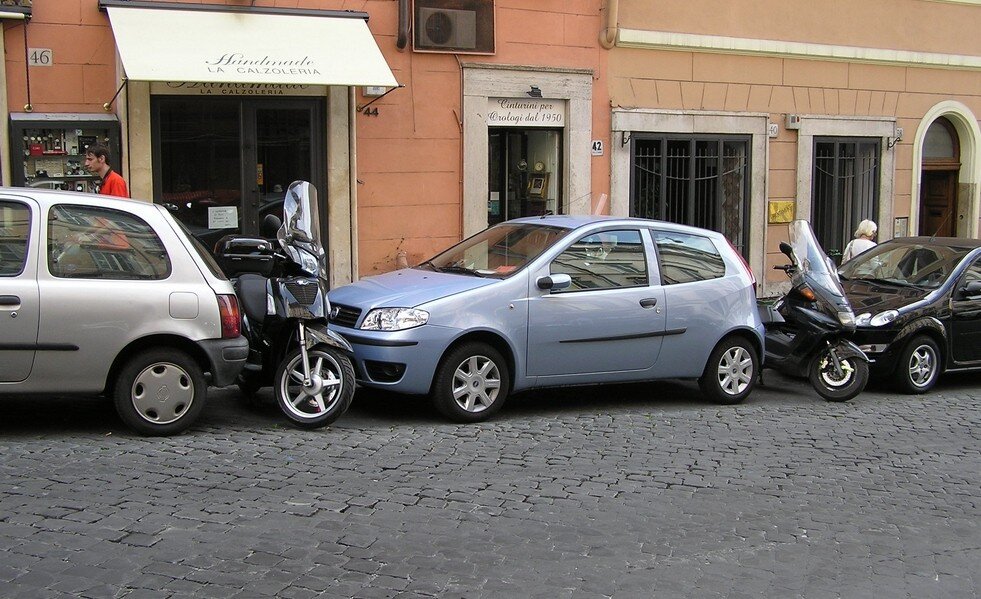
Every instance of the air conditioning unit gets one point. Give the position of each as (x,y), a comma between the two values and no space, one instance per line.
(444,28)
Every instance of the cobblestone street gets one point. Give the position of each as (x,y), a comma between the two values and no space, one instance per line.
(626,491)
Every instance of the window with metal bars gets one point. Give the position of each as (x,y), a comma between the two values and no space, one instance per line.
(701,181)
(846,189)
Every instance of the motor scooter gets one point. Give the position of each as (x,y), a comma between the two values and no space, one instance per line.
(283,294)
(807,329)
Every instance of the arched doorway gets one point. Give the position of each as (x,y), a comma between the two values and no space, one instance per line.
(938,182)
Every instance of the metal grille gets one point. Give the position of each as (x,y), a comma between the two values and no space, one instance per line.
(304,294)
(700,181)
(346,316)
(846,189)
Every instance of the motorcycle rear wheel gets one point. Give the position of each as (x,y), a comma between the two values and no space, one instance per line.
(327,397)
(832,386)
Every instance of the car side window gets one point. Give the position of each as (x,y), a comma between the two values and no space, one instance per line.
(89,242)
(607,260)
(686,258)
(15,227)
(973,272)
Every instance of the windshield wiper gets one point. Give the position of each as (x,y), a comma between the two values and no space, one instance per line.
(461,269)
(428,264)
(888,282)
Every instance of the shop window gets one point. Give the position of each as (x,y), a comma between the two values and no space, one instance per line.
(846,189)
(693,180)
(525,173)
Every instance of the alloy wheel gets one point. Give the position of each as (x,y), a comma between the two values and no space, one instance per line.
(735,370)
(476,384)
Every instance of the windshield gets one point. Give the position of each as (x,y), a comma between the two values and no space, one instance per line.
(300,234)
(904,264)
(811,259)
(498,252)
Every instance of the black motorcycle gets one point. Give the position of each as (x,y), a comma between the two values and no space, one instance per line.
(283,294)
(806,329)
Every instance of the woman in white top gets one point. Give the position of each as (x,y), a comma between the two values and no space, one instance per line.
(864,235)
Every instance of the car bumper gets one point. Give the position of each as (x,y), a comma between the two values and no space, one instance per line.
(401,361)
(878,345)
(227,358)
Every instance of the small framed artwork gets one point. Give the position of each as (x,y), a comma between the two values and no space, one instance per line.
(537,185)
(900,226)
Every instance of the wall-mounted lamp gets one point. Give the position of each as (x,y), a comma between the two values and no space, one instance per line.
(892,141)
(534,92)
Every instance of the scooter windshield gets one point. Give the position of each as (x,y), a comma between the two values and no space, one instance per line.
(300,234)
(811,259)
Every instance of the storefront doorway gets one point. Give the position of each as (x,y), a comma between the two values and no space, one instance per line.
(524,170)
(223,164)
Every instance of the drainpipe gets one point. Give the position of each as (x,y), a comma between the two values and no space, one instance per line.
(608,37)
(403,38)
(352,150)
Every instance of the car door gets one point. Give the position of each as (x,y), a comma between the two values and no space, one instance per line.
(965,317)
(610,320)
(19,301)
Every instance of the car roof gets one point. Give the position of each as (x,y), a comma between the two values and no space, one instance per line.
(567,221)
(953,242)
(52,196)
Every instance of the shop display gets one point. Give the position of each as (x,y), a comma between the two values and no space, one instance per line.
(48,150)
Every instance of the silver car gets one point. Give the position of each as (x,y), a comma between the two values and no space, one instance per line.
(557,300)
(109,296)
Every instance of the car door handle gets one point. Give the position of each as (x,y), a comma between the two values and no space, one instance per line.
(648,302)
(9,300)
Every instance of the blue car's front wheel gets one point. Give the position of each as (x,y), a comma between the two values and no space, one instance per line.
(471,383)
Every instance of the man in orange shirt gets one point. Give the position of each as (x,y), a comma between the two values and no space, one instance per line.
(97,163)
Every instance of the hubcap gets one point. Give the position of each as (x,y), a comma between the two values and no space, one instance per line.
(735,370)
(323,390)
(835,379)
(476,384)
(922,363)
(162,393)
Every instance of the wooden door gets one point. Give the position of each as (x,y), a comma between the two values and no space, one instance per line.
(937,203)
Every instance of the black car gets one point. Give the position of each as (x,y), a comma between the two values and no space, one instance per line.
(918,306)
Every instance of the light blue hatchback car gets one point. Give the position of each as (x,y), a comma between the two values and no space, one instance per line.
(557,300)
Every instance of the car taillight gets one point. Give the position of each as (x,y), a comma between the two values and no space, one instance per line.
(231,320)
(746,264)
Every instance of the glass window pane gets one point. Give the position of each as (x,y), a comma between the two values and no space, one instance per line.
(686,258)
(100,243)
(15,227)
(845,189)
(606,260)
(938,142)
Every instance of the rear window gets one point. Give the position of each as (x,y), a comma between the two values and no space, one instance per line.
(201,251)
(15,226)
(89,242)
(687,258)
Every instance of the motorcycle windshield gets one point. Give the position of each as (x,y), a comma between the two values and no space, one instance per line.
(812,261)
(300,235)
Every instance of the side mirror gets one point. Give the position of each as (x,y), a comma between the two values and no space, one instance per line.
(787,249)
(554,282)
(971,290)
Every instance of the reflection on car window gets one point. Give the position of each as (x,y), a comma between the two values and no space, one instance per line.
(922,265)
(499,251)
(14,229)
(973,273)
(606,260)
(99,243)
(685,258)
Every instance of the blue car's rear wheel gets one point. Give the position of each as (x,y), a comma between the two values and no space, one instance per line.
(731,371)
(471,383)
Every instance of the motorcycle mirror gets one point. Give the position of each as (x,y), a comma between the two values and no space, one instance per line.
(787,249)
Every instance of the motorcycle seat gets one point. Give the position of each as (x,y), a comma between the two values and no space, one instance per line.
(251,292)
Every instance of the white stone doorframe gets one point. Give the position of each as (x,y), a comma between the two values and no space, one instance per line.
(830,126)
(969,177)
(482,81)
(629,120)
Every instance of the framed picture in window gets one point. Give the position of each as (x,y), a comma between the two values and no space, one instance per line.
(537,185)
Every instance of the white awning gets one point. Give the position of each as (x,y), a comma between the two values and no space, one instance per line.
(237,47)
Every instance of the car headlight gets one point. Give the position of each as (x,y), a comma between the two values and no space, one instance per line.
(883,318)
(846,318)
(394,319)
(863,319)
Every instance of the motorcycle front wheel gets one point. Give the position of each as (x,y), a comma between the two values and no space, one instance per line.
(328,393)
(835,386)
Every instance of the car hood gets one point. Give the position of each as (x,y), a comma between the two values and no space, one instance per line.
(406,288)
(875,297)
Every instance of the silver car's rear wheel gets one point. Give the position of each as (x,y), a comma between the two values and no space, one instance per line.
(472,383)
(160,392)
(731,371)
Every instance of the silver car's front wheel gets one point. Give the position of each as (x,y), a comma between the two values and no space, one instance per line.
(472,383)
(731,371)
(160,392)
